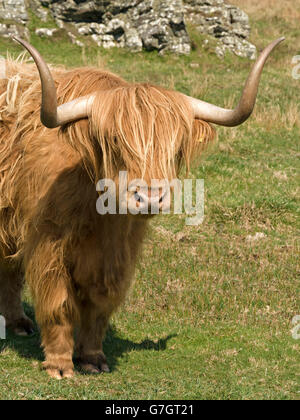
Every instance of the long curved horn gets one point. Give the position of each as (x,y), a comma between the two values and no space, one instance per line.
(231,118)
(51,115)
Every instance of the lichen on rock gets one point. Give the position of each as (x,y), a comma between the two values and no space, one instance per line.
(227,23)
(13,18)
(149,24)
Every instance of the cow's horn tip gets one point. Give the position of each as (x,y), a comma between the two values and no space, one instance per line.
(16,39)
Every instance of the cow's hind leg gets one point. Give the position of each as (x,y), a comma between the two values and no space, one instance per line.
(11,285)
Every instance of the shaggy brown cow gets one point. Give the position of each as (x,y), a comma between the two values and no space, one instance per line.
(77,263)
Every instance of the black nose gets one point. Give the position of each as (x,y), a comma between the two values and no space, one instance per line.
(138,198)
(162,196)
(146,200)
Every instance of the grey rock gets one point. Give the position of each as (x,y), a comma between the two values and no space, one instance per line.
(45,32)
(241,47)
(13,10)
(40,11)
(160,25)
(74,40)
(135,24)
(13,17)
(227,23)
(84,30)
(97,39)
(7,30)
(133,40)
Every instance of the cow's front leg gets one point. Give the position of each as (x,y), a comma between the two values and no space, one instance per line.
(55,306)
(58,343)
(89,350)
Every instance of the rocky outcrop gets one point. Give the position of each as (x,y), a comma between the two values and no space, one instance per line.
(13,18)
(14,11)
(136,24)
(229,24)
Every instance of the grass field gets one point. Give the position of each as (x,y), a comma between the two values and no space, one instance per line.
(210,313)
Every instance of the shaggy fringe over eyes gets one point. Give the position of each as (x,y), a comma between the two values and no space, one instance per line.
(147,130)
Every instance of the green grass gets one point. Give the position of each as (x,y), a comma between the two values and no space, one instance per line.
(210,312)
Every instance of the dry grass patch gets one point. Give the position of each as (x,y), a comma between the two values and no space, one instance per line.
(288,10)
(272,117)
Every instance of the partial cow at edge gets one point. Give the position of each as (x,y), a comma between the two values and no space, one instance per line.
(91,125)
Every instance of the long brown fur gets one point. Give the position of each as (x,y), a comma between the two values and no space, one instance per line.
(77,263)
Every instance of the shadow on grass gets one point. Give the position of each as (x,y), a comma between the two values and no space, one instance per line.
(114,347)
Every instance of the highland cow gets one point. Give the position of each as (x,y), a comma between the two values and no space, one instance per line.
(91,125)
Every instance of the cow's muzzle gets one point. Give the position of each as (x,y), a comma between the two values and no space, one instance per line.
(149,201)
